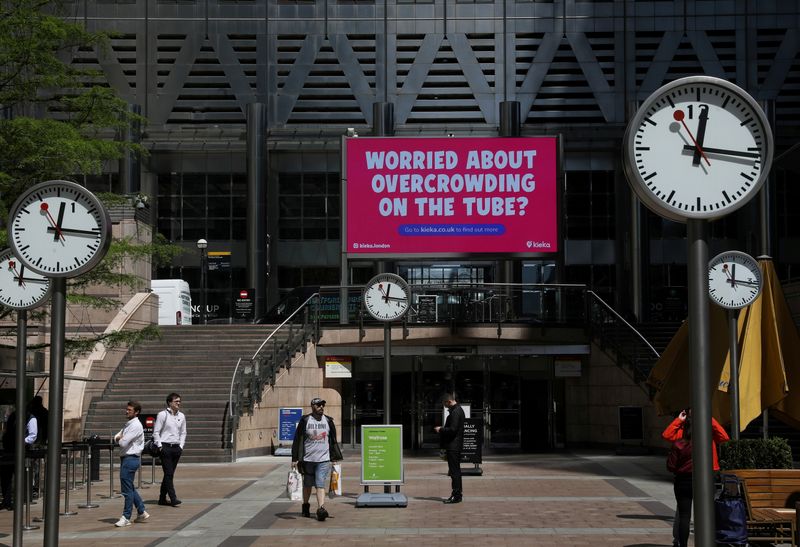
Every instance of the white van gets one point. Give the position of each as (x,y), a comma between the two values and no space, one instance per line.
(174,301)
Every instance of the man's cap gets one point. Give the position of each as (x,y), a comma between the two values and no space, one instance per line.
(317,401)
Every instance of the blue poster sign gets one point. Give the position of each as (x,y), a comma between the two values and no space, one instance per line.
(287,421)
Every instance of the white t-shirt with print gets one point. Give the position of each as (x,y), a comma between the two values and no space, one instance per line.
(317,448)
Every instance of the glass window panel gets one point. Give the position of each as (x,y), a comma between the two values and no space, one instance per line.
(194,184)
(314,184)
(194,206)
(218,228)
(194,229)
(289,278)
(290,206)
(289,229)
(334,187)
(333,206)
(289,184)
(313,206)
(169,228)
(239,206)
(239,228)
(334,229)
(191,274)
(219,206)
(314,229)
(169,206)
(239,184)
(219,185)
(169,184)
(239,278)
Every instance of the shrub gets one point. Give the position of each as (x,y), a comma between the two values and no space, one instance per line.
(773,453)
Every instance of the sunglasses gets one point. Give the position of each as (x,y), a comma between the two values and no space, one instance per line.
(319,404)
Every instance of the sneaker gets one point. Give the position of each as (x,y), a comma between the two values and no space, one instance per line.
(322,513)
(122,522)
(307,510)
(142,517)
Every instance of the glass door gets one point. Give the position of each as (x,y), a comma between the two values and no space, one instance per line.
(504,403)
(435,378)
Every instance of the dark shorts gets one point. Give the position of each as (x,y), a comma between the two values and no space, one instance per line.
(316,474)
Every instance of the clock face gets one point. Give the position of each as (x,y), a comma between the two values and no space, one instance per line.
(698,148)
(387,297)
(20,288)
(734,279)
(59,229)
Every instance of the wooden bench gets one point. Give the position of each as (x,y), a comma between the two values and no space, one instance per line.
(770,495)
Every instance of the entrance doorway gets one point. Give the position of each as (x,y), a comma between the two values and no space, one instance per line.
(514,396)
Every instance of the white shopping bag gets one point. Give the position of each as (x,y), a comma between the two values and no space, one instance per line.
(294,485)
(336,480)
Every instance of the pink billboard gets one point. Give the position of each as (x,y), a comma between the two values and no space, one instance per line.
(451,195)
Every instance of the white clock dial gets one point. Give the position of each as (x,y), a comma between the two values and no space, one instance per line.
(387,297)
(734,279)
(20,288)
(59,229)
(697,148)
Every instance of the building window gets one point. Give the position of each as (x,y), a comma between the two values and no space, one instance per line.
(589,205)
(309,206)
(202,205)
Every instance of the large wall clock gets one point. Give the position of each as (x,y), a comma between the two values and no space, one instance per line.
(387,297)
(59,229)
(698,148)
(20,288)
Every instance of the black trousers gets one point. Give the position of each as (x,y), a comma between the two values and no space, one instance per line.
(454,469)
(169,461)
(683,497)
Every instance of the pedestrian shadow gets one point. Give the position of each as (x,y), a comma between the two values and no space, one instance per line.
(649,545)
(289,516)
(430,498)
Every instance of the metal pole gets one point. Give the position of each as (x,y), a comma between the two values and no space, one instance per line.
(19,451)
(53,471)
(387,373)
(203,268)
(733,386)
(700,363)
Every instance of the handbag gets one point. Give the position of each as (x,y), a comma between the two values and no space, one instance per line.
(336,480)
(730,512)
(151,448)
(294,485)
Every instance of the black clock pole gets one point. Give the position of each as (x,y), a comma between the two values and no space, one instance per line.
(20,489)
(700,362)
(53,469)
(733,384)
(387,372)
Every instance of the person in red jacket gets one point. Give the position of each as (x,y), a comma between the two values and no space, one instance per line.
(679,432)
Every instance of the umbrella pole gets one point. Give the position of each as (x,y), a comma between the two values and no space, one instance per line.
(733,387)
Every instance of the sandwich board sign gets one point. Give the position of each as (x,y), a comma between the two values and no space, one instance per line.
(382,464)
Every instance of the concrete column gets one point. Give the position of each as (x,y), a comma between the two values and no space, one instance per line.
(510,126)
(257,259)
(382,126)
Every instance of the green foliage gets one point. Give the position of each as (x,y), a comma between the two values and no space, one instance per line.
(59,120)
(772,453)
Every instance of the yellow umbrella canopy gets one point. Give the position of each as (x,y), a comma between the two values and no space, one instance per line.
(768,366)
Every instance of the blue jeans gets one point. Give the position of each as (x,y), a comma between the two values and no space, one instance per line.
(127,472)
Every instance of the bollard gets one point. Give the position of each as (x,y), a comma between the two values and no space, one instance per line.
(28,483)
(111,493)
(67,512)
(88,465)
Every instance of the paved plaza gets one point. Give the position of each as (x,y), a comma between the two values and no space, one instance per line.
(584,498)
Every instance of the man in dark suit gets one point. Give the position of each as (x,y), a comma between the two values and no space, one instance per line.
(451,437)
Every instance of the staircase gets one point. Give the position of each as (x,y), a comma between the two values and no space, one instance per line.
(196,361)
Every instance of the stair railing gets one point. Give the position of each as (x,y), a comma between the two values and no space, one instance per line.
(251,375)
(628,346)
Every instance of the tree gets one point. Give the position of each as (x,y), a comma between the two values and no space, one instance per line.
(59,121)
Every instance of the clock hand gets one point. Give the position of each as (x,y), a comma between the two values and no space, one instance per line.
(386,296)
(701,136)
(725,151)
(679,116)
(60,220)
(76,231)
(13,266)
(57,228)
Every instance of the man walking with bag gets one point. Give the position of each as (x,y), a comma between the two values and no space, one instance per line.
(169,434)
(313,450)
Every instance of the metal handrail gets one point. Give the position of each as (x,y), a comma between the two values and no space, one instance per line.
(618,316)
(269,337)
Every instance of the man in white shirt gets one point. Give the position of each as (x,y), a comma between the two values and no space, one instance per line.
(131,444)
(169,434)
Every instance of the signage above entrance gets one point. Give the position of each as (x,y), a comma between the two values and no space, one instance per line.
(451,196)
